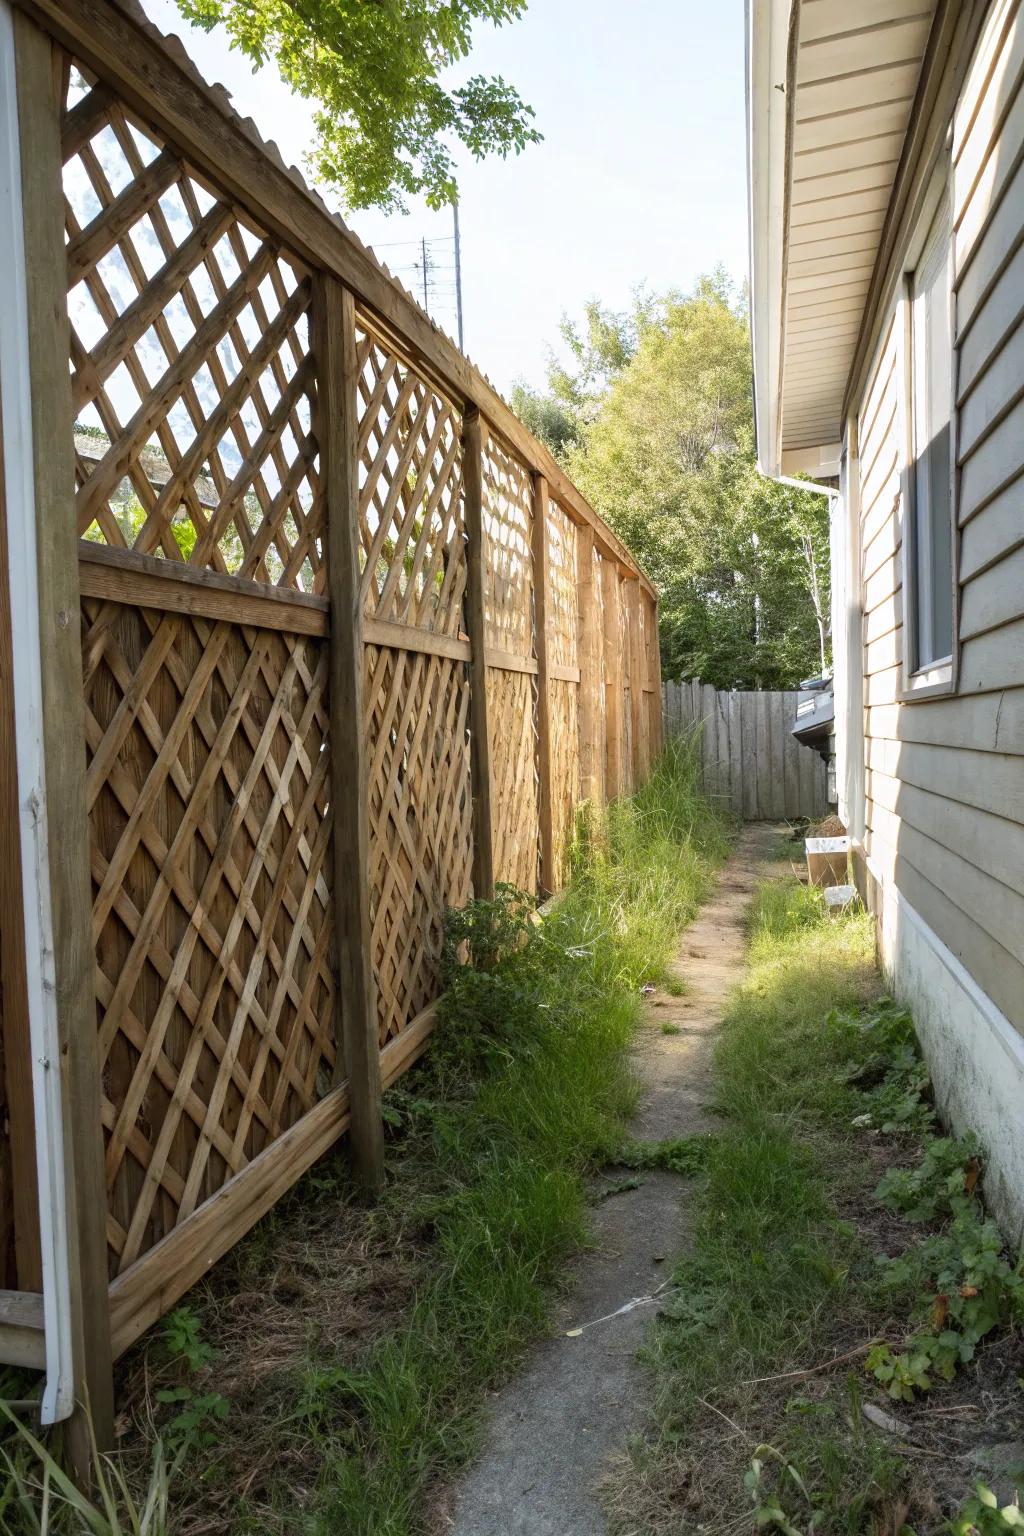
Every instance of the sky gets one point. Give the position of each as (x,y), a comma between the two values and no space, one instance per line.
(640,179)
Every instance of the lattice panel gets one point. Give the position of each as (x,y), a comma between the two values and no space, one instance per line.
(421,836)
(410,495)
(565,763)
(514,792)
(563,602)
(508,561)
(191,370)
(208,806)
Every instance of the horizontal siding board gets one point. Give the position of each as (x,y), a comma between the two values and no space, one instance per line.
(993,533)
(997,462)
(993,843)
(996,971)
(994,322)
(988,190)
(990,781)
(992,397)
(992,661)
(994,599)
(985,722)
(975,278)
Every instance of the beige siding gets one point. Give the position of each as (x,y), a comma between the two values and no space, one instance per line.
(945,777)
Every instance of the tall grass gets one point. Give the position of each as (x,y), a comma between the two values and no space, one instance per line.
(772,1269)
(513,1119)
(527,1085)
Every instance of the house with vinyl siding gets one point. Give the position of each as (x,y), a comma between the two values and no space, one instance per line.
(886,158)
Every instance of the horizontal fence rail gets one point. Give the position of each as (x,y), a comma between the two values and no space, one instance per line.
(749,758)
(352,649)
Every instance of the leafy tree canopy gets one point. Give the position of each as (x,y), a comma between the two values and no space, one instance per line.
(385,124)
(653,419)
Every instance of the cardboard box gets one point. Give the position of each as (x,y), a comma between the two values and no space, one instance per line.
(827,859)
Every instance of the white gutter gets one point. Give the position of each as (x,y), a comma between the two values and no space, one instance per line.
(768,23)
(59,1391)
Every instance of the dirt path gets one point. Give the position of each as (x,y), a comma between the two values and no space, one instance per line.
(577,1399)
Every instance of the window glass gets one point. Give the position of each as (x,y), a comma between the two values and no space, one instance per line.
(932,540)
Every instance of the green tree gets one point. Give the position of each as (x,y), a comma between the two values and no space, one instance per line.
(667,457)
(385,124)
(595,355)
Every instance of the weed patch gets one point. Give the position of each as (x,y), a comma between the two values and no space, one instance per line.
(353,1346)
(840,1258)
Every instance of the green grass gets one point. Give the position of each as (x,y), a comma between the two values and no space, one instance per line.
(349,1420)
(807,1250)
(517,1116)
(771,1263)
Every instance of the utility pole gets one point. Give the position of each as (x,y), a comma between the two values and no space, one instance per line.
(458,274)
(426,301)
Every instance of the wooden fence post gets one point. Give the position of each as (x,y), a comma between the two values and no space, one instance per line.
(542,603)
(63,730)
(334,346)
(611,617)
(654,679)
(589,711)
(476,625)
(631,595)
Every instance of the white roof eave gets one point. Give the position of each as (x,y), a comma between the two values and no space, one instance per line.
(768,27)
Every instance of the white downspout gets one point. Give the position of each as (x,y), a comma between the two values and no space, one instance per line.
(59,1391)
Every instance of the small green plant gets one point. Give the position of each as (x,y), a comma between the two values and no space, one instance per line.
(982,1515)
(686,1155)
(669,1028)
(941,1184)
(183,1341)
(965,1286)
(766,1494)
(196,1422)
(675,986)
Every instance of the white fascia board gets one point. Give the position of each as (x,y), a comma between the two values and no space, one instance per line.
(768,26)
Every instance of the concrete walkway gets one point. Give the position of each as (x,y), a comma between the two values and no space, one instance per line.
(576,1401)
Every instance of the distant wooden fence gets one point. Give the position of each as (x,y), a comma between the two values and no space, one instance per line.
(749,758)
(353,649)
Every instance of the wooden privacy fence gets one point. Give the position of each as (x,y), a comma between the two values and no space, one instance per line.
(353,648)
(749,758)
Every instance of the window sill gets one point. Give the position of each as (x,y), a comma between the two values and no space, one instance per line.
(931,682)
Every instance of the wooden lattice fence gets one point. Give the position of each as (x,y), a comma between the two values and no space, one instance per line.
(352,648)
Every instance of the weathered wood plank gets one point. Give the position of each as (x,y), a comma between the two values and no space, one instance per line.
(611,617)
(476,623)
(39,116)
(542,620)
(334,341)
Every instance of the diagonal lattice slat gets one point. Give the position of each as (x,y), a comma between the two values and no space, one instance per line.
(563,641)
(192,378)
(410,495)
(420,818)
(207,789)
(511,695)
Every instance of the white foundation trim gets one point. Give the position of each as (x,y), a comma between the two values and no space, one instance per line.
(974,1054)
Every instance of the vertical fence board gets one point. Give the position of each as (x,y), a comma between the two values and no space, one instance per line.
(748,757)
(476,624)
(63,724)
(334,342)
(611,617)
(542,617)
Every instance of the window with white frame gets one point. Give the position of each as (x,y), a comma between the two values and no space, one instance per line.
(929,555)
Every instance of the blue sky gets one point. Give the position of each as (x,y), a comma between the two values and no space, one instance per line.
(640,179)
